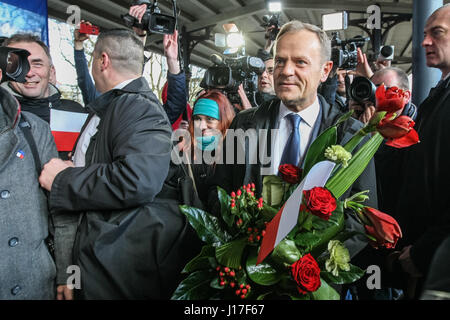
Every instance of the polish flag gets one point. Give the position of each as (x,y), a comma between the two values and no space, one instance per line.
(66,127)
(286,218)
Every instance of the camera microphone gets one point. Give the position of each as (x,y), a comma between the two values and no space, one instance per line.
(216,59)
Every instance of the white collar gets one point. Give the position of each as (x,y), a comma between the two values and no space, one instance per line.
(309,114)
(446,77)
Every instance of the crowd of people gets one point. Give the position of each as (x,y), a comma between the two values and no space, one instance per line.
(96,186)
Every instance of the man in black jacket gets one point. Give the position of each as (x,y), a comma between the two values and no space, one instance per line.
(422,207)
(132,240)
(39,96)
(302,61)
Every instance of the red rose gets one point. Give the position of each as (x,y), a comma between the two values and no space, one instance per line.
(320,202)
(384,228)
(391,99)
(399,132)
(306,274)
(290,173)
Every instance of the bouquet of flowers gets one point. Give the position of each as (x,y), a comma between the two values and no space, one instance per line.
(289,243)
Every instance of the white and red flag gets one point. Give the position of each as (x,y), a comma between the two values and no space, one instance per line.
(286,218)
(65,127)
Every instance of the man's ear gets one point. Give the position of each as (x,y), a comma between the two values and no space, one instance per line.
(105,62)
(326,69)
(408,94)
(1,75)
(52,78)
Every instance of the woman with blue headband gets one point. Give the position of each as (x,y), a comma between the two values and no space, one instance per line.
(211,117)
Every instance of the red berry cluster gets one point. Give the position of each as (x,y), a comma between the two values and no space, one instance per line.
(243,291)
(226,276)
(255,235)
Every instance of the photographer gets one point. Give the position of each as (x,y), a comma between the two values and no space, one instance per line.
(266,90)
(177,98)
(38,95)
(391,77)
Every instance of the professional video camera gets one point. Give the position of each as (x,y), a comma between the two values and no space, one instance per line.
(344,52)
(153,20)
(362,90)
(228,73)
(14,64)
(272,21)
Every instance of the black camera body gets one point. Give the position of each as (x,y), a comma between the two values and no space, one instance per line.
(269,21)
(362,90)
(14,64)
(344,52)
(227,74)
(153,20)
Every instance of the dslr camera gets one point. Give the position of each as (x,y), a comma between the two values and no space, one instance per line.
(153,20)
(362,90)
(228,73)
(269,21)
(344,52)
(14,64)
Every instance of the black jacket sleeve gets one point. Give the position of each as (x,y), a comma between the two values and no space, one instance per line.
(139,146)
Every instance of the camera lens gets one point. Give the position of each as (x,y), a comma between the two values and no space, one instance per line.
(12,63)
(361,91)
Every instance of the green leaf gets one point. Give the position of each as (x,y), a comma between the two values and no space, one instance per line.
(215,284)
(262,296)
(344,118)
(264,273)
(224,200)
(285,253)
(317,149)
(331,229)
(344,277)
(325,292)
(345,177)
(307,241)
(195,287)
(230,254)
(201,261)
(268,213)
(274,189)
(207,226)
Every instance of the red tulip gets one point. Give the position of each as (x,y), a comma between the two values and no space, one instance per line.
(399,132)
(384,228)
(391,99)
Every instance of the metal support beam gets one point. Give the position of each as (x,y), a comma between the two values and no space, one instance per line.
(230,15)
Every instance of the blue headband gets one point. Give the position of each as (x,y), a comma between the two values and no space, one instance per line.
(207,107)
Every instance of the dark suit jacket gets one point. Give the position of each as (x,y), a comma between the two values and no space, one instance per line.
(232,176)
(422,205)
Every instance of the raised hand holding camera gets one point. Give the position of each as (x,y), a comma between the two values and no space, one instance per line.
(146,16)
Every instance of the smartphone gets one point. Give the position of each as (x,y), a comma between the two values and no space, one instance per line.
(88,29)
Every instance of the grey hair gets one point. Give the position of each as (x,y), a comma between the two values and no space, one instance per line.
(296,26)
(124,49)
(28,38)
(402,77)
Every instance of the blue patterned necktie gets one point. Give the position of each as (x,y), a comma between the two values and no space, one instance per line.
(291,152)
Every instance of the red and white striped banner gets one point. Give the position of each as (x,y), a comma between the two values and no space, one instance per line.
(66,126)
(286,218)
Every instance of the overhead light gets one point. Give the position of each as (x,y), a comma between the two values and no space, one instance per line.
(235,40)
(335,21)
(274,6)
(232,39)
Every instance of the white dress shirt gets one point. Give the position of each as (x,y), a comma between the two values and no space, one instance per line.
(308,116)
(79,157)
